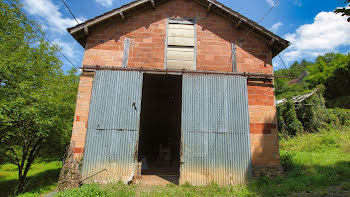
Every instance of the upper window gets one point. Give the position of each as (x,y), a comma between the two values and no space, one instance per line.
(181,44)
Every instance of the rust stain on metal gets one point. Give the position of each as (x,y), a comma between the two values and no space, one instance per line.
(136,153)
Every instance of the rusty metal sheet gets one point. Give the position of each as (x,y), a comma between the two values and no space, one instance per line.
(113,126)
(215,130)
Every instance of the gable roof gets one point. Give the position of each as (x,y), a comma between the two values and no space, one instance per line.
(276,43)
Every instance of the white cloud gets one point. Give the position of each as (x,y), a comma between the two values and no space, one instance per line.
(328,32)
(270,2)
(276,26)
(49,12)
(68,49)
(105,3)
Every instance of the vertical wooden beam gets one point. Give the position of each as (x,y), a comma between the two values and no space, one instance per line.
(234,59)
(126,52)
(239,23)
(270,43)
(153,4)
(86,31)
(122,16)
(209,7)
(195,43)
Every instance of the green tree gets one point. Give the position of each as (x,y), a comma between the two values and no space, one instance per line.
(345,11)
(37,99)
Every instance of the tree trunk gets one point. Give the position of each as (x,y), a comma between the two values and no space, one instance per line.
(20,187)
(22,174)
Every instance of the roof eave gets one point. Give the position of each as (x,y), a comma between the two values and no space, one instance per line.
(277,46)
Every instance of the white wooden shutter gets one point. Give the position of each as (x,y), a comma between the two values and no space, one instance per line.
(181,45)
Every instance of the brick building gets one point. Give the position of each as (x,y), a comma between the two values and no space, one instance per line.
(185,86)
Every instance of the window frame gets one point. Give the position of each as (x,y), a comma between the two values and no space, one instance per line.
(184,21)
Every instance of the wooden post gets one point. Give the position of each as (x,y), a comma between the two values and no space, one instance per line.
(126,52)
(233,55)
(122,16)
(86,31)
(239,23)
(153,4)
(208,9)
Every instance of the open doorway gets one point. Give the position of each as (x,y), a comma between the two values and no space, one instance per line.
(160,128)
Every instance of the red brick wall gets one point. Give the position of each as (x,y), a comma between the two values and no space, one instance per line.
(147,33)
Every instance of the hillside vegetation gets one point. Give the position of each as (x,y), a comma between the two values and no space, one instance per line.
(330,72)
(328,108)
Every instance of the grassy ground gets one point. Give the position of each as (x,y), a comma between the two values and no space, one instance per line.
(41,178)
(318,164)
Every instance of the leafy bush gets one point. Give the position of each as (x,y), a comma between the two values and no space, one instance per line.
(288,121)
(287,161)
(341,115)
(309,116)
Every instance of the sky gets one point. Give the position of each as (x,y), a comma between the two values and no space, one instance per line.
(312,28)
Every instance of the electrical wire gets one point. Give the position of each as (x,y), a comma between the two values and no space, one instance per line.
(70,11)
(275,4)
(260,20)
(282,61)
(38,30)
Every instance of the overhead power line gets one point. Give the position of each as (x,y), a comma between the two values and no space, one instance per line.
(282,62)
(274,5)
(260,20)
(38,30)
(70,11)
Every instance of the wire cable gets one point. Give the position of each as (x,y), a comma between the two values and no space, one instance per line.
(260,20)
(282,61)
(38,30)
(70,11)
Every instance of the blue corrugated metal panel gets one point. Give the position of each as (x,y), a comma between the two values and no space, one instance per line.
(215,130)
(113,125)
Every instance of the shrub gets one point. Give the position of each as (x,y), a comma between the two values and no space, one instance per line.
(342,115)
(288,121)
(287,161)
(310,116)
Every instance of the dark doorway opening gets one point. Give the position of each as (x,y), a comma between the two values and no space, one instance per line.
(160,126)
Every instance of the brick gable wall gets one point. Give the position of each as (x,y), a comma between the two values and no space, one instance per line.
(147,33)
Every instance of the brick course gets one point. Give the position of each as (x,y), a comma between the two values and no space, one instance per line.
(147,33)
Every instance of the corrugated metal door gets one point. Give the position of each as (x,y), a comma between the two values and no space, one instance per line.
(113,126)
(215,130)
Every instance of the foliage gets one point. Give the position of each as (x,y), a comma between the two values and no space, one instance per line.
(331,71)
(343,101)
(311,114)
(340,116)
(42,178)
(281,84)
(37,99)
(288,121)
(329,74)
(345,11)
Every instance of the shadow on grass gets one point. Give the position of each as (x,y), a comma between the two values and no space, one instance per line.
(304,178)
(33,183)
